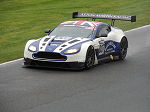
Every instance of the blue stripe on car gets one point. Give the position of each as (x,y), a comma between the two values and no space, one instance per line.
(78,46)
(52,46)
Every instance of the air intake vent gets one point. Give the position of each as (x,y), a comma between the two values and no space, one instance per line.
(64,45)
(43,44)
(49,55)
(73,41)
(46,39)
(58,40)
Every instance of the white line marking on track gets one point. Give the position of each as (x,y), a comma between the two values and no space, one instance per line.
(138,28)
(125,32)
(11,61)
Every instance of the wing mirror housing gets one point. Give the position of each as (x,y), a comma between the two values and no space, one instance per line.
(103,35)
(47,31)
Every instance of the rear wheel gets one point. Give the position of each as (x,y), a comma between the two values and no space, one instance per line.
(90,58)
(123,48)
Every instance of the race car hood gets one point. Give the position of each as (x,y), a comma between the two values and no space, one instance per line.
(57,44)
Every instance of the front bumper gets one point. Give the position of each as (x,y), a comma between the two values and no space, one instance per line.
(68,65)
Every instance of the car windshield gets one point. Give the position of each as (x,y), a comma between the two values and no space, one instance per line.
(72,31)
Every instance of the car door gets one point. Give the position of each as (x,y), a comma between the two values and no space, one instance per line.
(101,40)
(109,43)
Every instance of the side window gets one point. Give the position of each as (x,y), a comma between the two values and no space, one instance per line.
(104,29)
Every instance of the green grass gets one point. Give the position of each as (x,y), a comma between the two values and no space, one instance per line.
(21,20)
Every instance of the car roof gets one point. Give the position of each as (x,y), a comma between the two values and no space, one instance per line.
(82,23)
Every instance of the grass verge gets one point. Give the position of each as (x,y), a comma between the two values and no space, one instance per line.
(21,20)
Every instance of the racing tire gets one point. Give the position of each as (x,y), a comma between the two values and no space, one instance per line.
(90,58)
(123,48)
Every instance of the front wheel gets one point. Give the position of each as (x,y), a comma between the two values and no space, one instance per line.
(90,58)
(123,48)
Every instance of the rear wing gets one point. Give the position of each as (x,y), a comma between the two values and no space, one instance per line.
(94,16)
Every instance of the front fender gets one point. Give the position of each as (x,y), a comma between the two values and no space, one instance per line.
(84,49)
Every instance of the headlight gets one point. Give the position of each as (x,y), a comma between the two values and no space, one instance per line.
(71,51)
(32,48)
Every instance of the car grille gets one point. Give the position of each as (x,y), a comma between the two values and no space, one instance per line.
(49,55)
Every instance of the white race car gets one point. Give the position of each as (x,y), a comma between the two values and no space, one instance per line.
(79,44)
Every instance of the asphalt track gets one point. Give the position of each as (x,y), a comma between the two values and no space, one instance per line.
(110,87)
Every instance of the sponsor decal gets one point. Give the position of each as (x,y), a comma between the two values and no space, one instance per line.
(54,44)
(110,47)
(109,16)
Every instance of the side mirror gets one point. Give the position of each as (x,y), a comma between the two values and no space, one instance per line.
(103,35)
(47,31)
